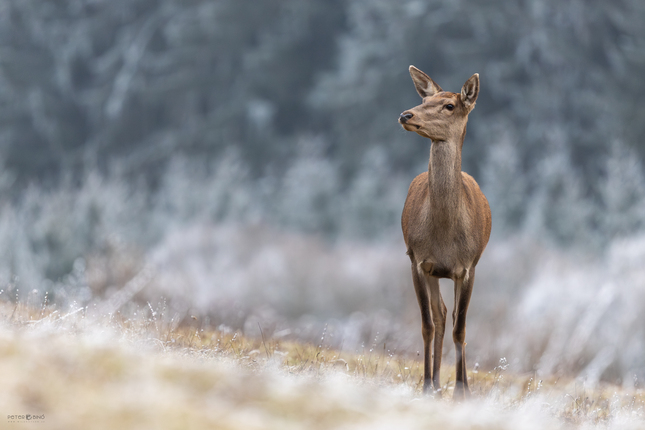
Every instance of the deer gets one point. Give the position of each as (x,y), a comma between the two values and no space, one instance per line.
(446,222)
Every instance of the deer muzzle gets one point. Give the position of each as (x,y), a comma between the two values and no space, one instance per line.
(405,117)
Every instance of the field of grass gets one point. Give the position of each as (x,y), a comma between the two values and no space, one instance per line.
(78,369)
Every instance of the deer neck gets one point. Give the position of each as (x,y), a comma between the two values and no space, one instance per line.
(444,181)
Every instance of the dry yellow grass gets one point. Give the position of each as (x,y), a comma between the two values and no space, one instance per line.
(80,371)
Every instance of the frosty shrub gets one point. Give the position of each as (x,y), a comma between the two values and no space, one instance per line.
(560,313)
(44,233)
(232,273)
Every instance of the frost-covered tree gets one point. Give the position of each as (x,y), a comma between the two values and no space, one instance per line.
(308,197)
(505,182)
(558,204)
(373,201)
(622,192)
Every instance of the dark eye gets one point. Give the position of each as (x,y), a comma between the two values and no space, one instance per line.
(450,107)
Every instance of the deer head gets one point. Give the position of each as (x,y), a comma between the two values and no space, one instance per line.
(443,115)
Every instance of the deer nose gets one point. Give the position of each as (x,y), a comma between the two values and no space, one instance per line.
(404,117)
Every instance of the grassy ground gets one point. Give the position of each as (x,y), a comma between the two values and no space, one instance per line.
(79,370)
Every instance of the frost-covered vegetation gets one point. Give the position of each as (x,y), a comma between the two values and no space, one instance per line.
(306,95)
(70,368)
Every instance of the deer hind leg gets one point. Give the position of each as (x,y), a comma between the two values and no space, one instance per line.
(463,291)
(438,313)
(427,327)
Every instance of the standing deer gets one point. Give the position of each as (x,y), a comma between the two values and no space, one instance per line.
(446,221)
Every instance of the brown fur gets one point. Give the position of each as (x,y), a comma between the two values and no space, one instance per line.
(446,220)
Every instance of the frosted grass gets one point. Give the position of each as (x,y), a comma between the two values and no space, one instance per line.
(79,370)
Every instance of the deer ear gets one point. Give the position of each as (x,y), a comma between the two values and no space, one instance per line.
(470,91)
(425,86)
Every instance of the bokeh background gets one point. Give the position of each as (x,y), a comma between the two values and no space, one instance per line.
(240,162)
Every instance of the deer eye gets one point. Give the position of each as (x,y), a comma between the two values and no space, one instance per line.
(450,107)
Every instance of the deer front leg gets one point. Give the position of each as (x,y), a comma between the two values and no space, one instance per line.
(438,308)
(463,291)
(427,327)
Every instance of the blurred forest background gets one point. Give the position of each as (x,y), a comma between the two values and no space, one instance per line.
(242,160)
